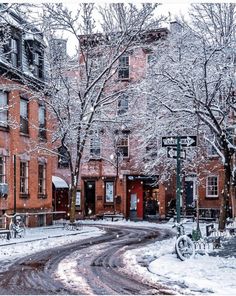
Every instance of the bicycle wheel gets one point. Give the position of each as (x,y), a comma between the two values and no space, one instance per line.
(22,229)
(184,248)
(12,229)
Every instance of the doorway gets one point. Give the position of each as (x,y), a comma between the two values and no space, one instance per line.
(150,204)
(89,198)
(133,206)
(190,186)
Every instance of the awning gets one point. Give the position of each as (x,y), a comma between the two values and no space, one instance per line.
(59,182)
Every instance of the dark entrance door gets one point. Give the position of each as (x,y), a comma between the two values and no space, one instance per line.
(189,193)
(89,198)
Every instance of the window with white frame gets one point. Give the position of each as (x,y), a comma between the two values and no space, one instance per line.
(95,145)
(15,52)
(42,179)
(42,122)
(123,67)
(2,169)
(24,177)
(123,105)
(212,186)
(123,145)
(24,116)
(35,57)
(3,108)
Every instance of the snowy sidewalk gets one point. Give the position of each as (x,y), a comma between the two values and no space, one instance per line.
(211,273)
(41,233)
(42,238)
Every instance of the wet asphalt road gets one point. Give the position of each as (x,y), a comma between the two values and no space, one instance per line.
(97,267)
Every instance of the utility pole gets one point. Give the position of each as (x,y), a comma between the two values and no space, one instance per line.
(178,182)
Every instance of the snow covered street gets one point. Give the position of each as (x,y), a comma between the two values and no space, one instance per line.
(154,263)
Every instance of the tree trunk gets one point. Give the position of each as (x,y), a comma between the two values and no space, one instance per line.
(72,205)
(224,209)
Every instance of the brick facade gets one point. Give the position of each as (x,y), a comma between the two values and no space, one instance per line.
(26,171)
(132,191)
(13,142)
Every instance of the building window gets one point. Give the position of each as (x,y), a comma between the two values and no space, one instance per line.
(123,145)
(109,192)
(15,52)
(123,69)
(42,179)
(35,58)
(63,158)
(123,105)
(42,122)
(151,150)
(150,59)
(24,116)
(212,186)
(95,145)
(3,109)
(24,177)
(211,151)
(36,64)
(2,169)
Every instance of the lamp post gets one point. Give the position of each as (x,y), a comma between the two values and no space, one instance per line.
(116,164)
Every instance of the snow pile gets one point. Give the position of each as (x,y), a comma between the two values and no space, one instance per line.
(203,274)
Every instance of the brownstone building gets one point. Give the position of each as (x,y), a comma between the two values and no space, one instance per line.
(25,172)
(111,181)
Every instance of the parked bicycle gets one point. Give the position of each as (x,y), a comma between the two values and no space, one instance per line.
(16,226)
(73,226)
(184,246)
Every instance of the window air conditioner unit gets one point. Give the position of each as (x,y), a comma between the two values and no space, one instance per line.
(3,189)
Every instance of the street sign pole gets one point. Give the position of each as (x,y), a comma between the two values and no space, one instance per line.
(178,183)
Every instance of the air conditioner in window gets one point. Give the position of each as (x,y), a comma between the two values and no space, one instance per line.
(3,189)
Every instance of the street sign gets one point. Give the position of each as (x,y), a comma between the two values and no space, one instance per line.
(172,153)
(185,141)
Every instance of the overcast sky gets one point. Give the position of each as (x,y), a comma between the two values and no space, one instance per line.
(173,7)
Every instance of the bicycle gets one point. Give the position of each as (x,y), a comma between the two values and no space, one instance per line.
(184,246)
(73,226)
(16,228)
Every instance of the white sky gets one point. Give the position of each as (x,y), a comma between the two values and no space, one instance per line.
(173,7)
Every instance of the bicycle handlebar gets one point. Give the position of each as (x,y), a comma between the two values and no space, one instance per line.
(10,216)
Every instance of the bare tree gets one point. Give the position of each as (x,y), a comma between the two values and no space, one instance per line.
(82,89)
(195,84)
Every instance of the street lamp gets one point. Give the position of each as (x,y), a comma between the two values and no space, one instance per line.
(115,158)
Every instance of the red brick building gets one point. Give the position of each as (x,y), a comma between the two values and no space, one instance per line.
(25,172)
(111,181)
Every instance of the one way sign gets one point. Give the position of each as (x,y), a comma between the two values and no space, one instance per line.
(185,141)
(172,153)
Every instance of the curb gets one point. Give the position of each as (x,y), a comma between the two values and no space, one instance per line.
(38,239)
